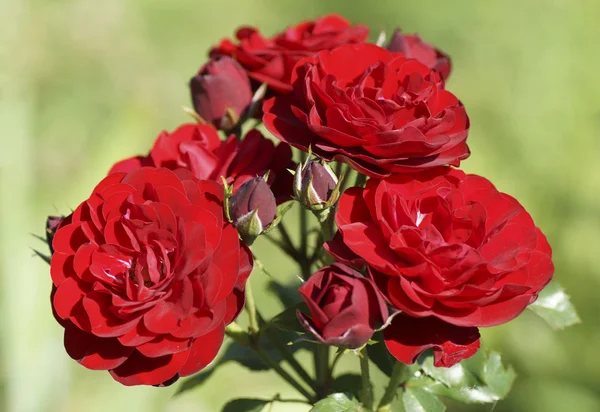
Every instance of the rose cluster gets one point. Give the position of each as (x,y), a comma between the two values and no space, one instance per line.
(149,270)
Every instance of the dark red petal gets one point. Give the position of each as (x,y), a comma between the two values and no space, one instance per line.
(94,352)
(141,370)
(407,338)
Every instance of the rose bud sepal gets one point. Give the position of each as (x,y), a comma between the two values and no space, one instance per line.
(317,187)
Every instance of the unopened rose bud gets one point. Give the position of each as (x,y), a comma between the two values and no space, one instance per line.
(252,208)
(52,224)
(221,92)
(316,187)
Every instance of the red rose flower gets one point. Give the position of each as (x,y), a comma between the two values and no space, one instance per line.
(147,273)
(413,47)
(345,306)
(198,148)
(271,60)
(378,111)
(447,246)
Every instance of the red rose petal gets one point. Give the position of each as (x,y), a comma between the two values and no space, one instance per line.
(141,370)
(407,338)
(94,352)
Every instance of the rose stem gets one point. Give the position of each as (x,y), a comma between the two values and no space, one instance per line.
(235,332)
(366,393)
(322,369)
(390,392)
(251,309)
(287,355)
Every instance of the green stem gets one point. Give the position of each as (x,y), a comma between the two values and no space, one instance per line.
(251,309)
(287,240)
(286,376)
(303,232)
(385,404)
(283,246)
(366,393)
(282,348)
(321,358)
(235,332)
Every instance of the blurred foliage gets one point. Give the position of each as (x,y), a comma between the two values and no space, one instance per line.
(85,83)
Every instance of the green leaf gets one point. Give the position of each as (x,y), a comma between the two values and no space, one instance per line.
(245,405)
(480,379)
(379,355)
(554,306)
(338,402)
(498,377)
(419,400)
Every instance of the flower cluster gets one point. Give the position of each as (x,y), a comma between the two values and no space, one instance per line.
(150,270)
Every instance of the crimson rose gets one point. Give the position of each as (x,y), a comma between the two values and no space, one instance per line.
(444,247)
(197,147)
(271,60)
(375,110)
(345,306)
(413,47)
(147,273)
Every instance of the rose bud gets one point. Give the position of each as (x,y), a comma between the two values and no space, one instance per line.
(221,92)
(413,47)
(252,208)
(52,224)
(344,305)
(314,184)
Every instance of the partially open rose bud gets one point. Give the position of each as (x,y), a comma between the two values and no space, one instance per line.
(52,224)
(316,187)
(221,92)
(252,208)
(345,307)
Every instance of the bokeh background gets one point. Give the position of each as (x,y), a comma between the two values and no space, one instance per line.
(84,83)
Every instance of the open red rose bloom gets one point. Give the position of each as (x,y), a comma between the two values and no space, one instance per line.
(271,60)
(444,247)
(378,111)
(198,148)
(147,273)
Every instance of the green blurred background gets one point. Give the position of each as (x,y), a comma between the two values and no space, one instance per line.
(84,83)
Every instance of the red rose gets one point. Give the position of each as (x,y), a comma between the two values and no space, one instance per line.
(271,60)
(375,110)
(147,273)
(444,245)
(221,92)
(197,147)
(414,47)
(345,306)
